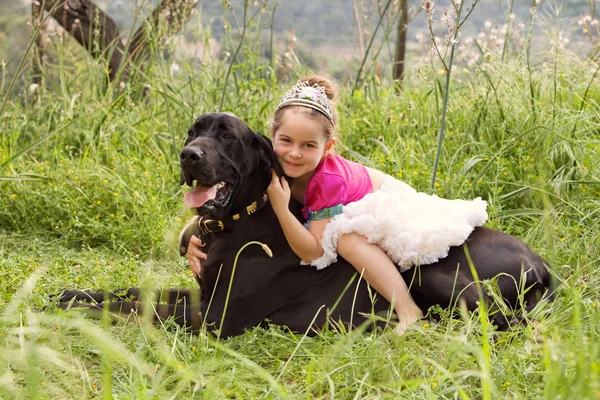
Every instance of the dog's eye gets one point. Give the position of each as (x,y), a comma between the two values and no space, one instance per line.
(190,133)
(226,136)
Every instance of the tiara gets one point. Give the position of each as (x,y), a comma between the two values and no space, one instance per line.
(308,96)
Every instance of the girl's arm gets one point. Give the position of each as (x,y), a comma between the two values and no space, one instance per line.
(305,243)
(191,245)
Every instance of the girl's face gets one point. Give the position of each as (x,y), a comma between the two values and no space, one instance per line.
(299,145)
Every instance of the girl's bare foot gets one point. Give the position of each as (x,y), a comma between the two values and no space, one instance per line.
(406,319)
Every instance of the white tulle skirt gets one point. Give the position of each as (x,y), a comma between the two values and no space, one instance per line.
(412,228)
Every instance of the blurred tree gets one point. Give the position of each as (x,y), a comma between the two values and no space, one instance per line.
(92,28)
(401,43)
(38,51)
(98,33)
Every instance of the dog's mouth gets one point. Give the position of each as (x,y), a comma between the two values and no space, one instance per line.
(210,196)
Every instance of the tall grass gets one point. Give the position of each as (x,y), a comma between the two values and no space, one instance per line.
(89,199)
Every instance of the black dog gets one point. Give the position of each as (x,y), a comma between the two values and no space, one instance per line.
(230,165)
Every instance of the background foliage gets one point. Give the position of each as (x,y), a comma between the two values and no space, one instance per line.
(89,198)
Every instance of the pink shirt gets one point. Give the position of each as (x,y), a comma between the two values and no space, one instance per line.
(336,181)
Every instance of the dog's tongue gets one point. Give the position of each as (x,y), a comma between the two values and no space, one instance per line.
(200,195)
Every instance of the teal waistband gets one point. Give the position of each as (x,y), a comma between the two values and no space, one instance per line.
(325,213)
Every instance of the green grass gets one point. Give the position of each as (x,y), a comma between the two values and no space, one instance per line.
(89,199)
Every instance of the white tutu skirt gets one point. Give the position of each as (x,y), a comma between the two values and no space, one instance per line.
(412,228)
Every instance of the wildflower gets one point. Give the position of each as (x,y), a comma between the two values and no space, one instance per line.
(98,202)
(104,180)
(425,325)
(13,195)
(428,6)
(115,194)
(33,87)
(433,384)
(174,68)
(446,18)
(563,239)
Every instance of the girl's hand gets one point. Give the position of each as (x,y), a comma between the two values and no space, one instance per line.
(195,255)
(279,193)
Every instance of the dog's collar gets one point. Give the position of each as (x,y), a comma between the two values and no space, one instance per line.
(208,225)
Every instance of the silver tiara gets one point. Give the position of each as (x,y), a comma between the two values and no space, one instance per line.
(308,96)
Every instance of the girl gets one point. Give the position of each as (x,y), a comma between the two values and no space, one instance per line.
(358,211)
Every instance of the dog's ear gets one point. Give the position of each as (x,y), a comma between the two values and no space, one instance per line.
(266,154)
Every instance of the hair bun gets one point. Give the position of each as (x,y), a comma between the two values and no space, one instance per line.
(324,82)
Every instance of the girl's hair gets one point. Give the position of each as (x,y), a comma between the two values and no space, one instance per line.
(327,128)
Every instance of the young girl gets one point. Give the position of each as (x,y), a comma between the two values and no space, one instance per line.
(369,218)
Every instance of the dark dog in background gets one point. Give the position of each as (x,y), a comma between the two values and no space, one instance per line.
(229,166)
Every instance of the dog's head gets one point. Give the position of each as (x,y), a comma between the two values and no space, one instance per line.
(221,156)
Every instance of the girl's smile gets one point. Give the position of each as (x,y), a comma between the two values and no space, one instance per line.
(292,165)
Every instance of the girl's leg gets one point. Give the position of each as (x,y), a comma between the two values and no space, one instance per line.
(382,275)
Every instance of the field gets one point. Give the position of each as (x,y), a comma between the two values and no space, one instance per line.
(89,199)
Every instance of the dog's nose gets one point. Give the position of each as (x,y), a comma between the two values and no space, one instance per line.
(190,155)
